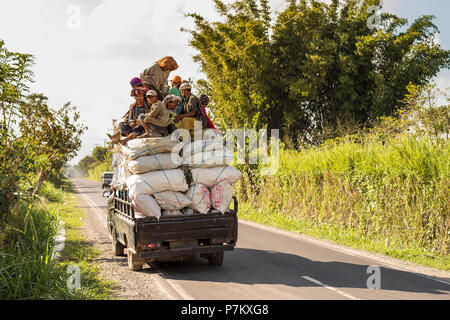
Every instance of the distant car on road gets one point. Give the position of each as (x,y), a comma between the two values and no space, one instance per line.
(107,179)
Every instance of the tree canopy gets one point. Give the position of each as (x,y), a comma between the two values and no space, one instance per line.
(34,138)
(315,65)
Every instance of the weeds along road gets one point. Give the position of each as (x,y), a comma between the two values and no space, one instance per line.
(266,264)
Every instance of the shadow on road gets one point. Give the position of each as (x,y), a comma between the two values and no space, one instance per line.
(251,266)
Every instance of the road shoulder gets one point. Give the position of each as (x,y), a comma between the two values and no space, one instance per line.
(378,258)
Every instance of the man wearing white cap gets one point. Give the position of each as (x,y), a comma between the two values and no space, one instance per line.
(155,121)
(191,110)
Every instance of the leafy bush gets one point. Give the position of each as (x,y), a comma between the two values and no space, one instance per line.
(394,191)
(51,193)
(26,264)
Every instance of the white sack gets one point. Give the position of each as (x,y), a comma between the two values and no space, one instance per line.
(199,195)
(163,161)
(146,205)
(115,181)
(221,196)
(213,176)
(202,145)
(115,160)
(122,175)
(172,213)
(142,147)
(208,159)
(157,181)
(171,200)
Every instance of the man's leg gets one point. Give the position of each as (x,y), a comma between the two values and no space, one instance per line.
(129,137)
(125,129)
(188,123)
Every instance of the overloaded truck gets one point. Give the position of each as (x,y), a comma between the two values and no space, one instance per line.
(171,238)
(169,208)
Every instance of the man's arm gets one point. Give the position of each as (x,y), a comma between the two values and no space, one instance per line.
(155,109)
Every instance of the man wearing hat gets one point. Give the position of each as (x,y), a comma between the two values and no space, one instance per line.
(156,120)
(191,110)
(176,83)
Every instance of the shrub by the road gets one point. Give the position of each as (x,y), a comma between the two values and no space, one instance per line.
(389,195)
(28,269)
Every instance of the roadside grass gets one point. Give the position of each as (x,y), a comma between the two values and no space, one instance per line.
(95,173)
(27,267)
(389,196)
(78,252)
(344,237)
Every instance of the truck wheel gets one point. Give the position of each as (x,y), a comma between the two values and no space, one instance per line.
(215,259)
(117,247)
(135,263)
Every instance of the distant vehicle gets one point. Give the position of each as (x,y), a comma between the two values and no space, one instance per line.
(107,179)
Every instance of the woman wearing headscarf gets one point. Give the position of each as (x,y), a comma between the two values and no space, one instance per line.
(130,128)
(155,77)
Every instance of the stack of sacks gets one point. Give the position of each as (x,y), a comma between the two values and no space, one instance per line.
(149,146)
(150,169)
(115,168)
(212,176)
(155,182)
(207,154)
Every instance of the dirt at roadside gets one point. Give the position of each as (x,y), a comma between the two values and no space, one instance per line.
(132,285)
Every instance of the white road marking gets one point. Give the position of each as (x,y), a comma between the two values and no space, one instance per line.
(175,286)
(59,241)
(342,293)
(100,214)
(158,278)
(337,248)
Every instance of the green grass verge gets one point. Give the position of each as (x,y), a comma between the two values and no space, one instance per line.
(27,269)
(344,237)
(387,195)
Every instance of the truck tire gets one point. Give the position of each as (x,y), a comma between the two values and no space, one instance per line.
(215,259)
(117,247)
(135,263)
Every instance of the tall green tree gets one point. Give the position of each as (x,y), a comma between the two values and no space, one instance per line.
(334,68)
(100,153)
(235,56)
(56,133)
(15,76)
(318,66)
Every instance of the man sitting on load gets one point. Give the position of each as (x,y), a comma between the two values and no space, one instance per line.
(191,110)
(155,121)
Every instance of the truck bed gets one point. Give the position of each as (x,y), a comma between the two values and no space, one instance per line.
(171,236)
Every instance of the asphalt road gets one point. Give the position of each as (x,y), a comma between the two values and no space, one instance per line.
(268,263)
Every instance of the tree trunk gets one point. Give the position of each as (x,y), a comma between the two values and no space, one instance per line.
(42,176)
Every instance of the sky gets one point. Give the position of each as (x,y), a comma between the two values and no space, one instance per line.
(86,51)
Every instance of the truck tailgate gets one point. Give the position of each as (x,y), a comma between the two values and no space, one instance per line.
(193,227)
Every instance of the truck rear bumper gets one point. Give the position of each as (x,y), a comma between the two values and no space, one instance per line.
(185,251)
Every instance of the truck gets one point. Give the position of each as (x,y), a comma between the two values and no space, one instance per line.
(171,238)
